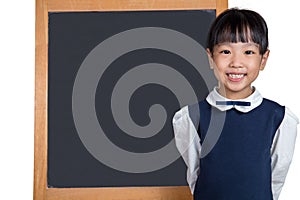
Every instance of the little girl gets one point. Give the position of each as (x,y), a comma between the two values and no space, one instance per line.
(252,153)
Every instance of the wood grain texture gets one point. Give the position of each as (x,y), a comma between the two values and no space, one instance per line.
(40,127)
(41,192)
(126,193)
(221,5)
(115,5)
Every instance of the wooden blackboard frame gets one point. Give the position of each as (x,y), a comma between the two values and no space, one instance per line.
(43,7)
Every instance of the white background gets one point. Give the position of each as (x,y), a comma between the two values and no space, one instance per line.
(279,81)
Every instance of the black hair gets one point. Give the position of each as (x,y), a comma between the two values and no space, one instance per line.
(239,25)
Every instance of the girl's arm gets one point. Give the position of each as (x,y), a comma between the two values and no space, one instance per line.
(188,144)
(282,151)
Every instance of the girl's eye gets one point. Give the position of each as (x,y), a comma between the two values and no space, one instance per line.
(225,52)
(249,52)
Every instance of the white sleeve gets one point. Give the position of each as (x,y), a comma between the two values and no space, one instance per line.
(188,144)
(282,151)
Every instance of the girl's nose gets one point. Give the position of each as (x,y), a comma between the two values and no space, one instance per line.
(236,61)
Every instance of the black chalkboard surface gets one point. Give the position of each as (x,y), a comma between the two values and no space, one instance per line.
(119,69)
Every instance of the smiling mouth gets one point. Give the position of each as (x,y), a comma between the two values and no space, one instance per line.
(236,77)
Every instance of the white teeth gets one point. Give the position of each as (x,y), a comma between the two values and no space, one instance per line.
(236,75)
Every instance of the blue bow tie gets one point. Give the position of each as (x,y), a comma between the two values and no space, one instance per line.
(233,103)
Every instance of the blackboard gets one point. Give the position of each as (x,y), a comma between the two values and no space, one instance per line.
(72,36)
(112,83)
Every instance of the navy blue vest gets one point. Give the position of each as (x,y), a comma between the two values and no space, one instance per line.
(239,165)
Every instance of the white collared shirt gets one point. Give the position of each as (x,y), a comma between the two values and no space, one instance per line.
(188,141)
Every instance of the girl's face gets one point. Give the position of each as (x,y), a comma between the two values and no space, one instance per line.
(236,66)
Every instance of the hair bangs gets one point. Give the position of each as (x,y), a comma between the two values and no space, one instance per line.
(236,31)
(235,26)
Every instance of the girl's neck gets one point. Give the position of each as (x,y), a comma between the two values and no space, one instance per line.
(235,95)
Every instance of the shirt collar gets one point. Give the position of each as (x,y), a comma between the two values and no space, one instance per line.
(255,99)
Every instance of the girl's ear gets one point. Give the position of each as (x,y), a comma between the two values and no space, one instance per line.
(264,59)
(210,58)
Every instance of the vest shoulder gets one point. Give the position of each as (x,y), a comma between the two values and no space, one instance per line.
(195,109)
(275,108)
(272,104)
